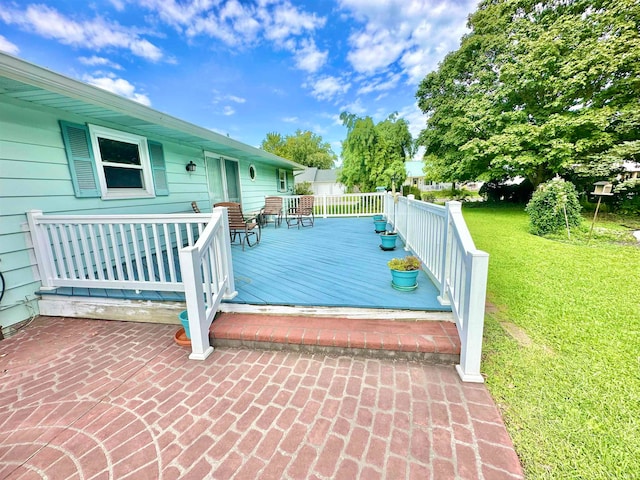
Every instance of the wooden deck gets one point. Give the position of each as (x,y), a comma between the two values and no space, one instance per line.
(335,263)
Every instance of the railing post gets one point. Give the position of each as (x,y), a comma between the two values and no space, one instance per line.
(41,249)
(324,206)
(471,334)
(194,296)
(451,208)
(409,235)
(225,250)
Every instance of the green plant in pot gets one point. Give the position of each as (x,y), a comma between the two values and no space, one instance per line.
(404,272)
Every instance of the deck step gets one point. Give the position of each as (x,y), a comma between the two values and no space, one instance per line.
(434,341)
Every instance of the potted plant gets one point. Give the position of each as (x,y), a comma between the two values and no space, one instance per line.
(388,240)
(381,225)
(183,337)
(404,272)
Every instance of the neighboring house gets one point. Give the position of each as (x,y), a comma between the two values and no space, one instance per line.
(70,148)
(323,182)
(416,178)
(631,170)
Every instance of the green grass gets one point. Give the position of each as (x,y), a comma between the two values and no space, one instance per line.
(571,397)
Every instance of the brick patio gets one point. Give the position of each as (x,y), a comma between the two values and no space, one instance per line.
(100,399)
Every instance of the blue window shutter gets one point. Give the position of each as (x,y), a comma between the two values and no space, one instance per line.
(158,168)
(82,166)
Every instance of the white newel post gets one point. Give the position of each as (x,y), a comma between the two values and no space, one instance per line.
(194,296)
(471,334)
(41,249)
(451,208)
(225,250)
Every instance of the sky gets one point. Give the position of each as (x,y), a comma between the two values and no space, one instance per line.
(246,68)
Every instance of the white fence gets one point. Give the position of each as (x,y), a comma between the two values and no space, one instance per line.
(341,205)
(140,252)
(440,238)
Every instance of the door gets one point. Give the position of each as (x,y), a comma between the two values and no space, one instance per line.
(223,179)
(232,177)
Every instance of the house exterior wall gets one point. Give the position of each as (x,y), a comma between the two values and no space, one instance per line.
(34,174)
(326,188)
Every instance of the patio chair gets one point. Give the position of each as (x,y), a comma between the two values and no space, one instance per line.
(301,214)
(272,206)
(196,208)
(239,226)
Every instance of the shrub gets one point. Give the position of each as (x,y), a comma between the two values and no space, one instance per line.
(303,188)
(410,190)
(627,197)
(500,192)
(554,206)
(428,197)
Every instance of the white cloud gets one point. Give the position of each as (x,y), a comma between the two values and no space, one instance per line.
(8,47)
(380,84)
(94,61)
(309,58)
(355,107)
(416,119)
(119,86)
(228,110)
(327,88)
(220,98)
(401,34)
(97,33)
(291,120)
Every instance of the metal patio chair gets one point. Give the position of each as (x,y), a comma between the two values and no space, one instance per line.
(272,207)
(239,226)
(301,214)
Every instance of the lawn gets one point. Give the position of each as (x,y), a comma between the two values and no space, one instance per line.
(562,346)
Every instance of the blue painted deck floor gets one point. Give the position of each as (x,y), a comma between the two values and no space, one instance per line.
(335,263)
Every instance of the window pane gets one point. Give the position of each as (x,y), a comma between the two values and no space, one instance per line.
(123,177)
(118,152)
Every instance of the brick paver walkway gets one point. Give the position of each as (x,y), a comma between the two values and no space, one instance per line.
(96,399)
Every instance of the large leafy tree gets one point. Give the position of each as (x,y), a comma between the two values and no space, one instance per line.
(373,154)
(303,147)
(538,88)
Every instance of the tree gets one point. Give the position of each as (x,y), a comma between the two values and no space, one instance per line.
(303,147)
(373,154)
(536,89)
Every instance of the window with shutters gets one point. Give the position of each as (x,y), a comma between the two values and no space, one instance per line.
(124,166)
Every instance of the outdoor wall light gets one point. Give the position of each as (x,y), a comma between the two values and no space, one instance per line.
(191,167)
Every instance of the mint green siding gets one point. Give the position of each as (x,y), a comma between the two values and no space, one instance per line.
(34,174)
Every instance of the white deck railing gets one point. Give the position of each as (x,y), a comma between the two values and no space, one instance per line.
(341,205)
(140,252)
(440,238)
(207,271)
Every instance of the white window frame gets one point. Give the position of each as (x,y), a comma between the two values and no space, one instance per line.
(145,163)
(282,180)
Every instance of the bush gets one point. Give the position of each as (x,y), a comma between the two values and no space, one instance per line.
(428,197)
(553,206)
(627,197)
(303,188)
(500,192)
(410,190)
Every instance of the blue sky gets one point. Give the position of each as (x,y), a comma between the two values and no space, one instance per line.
(245,68)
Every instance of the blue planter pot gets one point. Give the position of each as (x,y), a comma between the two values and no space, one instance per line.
(388,241)
(377,218)
(404,280)
(381,225)
(184,320)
